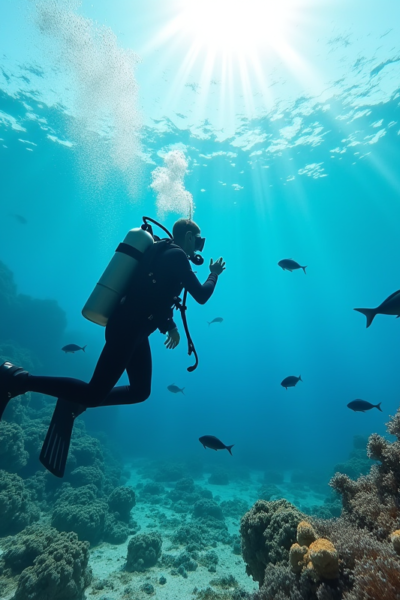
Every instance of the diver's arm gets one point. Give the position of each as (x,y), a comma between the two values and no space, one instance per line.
(184,274)
(201,293)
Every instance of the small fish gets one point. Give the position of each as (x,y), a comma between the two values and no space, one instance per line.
(216,320)
(290,381)
(71,348)
(20,219)
(390,306)
(210,441)
(362,406)
(175,389)
(287,264)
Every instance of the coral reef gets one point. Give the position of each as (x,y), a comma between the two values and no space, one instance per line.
(121,501)
(13,456)
(234,508)
(324,558)
(80,510)
(395,539)
(268,531)
(115,531)
(371,502)
(16,507)
(20,551)
(266,492)
(207,509)
(353,557)
(60,572)
(169,471)
(358,462)
(144,549)
(305,534)
(152,493)
(85,476)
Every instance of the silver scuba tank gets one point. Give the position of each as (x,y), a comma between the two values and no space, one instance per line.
(113,283)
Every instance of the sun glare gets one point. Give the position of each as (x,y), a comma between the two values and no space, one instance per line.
(226,52)
(233,26)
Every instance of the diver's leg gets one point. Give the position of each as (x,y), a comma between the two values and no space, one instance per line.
(113,360)
(139,372)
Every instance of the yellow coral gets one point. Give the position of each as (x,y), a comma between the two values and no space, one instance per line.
(305,533)
(395,539)
(298,558)
(324,559)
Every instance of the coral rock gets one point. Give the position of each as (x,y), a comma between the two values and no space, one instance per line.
(324,558)
(268,531)
(297,558)
(395,539)
(305,534)
(144,550)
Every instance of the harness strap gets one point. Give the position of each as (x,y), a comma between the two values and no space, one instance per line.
(130,251)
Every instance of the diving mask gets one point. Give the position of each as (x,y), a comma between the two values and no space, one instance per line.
(199,243)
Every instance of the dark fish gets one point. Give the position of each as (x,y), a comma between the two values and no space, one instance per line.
(210,441)
(290,381)
(20,219)
(287,264)
(390,306)
(175,389)
(362,405)
(71,348)
(216,320)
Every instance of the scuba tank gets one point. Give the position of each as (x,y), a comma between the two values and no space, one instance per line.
(112,285)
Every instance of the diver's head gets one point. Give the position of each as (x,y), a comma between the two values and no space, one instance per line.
(186,234)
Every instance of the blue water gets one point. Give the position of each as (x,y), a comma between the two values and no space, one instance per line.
(308,171)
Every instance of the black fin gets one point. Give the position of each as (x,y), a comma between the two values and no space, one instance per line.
(55,448)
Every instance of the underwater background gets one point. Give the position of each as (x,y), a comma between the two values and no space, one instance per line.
(287,147)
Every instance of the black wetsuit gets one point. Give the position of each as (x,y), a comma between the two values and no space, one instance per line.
(146,307)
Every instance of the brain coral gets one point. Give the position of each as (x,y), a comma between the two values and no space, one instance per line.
(61,572)
(121,501)
(20,551)
(86,476)
(13,455)
(16,508)
(268,531)
(144,550)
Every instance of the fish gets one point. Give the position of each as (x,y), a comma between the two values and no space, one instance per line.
(71,348)
(216,320)
(175,389)
(362,406)
(390,306)
(287,264)
(290,381)
(210,441)
(20,218)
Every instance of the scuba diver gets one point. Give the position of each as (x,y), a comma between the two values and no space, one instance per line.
(163,271)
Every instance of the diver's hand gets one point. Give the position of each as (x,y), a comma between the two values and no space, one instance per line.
(217,267)
(173,339)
